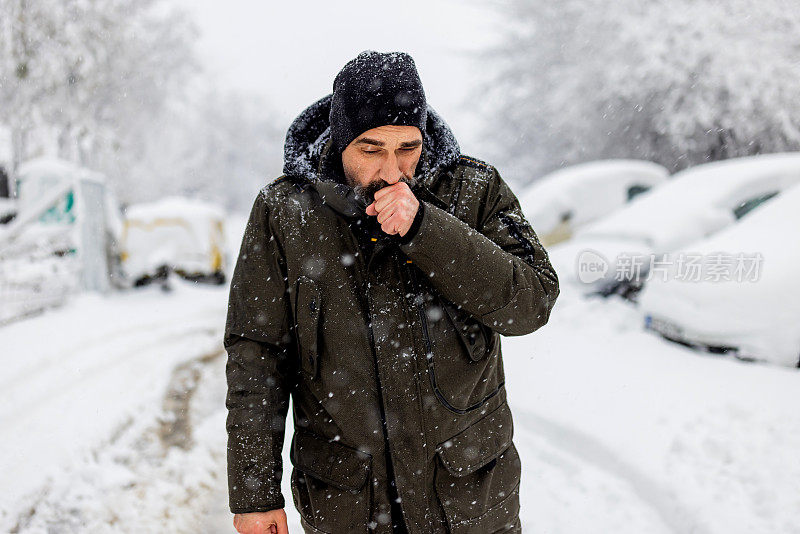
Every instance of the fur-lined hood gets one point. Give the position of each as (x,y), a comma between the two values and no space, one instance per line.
(307,155)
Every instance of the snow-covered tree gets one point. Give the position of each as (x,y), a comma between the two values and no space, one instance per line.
(83,77)
(679,82)
(114,85)
(220,146)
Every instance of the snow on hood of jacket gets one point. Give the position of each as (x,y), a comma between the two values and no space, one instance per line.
(309,134)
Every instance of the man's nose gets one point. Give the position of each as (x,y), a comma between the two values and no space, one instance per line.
(390,170)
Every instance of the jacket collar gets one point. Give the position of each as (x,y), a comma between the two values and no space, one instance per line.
(308,156)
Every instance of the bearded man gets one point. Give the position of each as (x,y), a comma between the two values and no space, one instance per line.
(375,279)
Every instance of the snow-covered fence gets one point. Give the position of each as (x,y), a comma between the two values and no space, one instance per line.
(37,270)
(34,281)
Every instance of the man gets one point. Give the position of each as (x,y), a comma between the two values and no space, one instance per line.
(374,281)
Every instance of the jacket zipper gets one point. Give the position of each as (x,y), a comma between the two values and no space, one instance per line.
(390,477)
(375,360)
(423,319)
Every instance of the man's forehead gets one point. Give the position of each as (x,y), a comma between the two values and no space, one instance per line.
(405,135)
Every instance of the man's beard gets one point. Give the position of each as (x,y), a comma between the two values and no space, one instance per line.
(368,191)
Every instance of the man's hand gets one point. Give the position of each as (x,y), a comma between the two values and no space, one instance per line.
(395,205)
(272,522)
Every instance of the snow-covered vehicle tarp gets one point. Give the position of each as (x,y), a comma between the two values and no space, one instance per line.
(566,199)
(742,296)
(62,238)
(176,234)
(614,253)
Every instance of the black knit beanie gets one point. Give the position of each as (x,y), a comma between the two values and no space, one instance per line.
(376,89)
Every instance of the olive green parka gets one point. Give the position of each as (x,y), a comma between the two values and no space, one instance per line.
(390,350)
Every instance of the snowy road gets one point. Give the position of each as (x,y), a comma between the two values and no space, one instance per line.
(76,379)
(114,422)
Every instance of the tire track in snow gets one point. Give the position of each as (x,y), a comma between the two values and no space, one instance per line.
(168,337)
(59,503)
(664,502)
(56,356)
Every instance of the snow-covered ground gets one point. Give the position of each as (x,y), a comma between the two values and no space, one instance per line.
(88,406)
(625,432)
(113,421)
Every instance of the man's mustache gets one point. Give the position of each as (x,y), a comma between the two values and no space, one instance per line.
(368,191)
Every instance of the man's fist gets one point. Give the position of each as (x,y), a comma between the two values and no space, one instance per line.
(272,522)
(395,205)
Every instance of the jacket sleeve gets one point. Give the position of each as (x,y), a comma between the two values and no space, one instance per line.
(259,369)
(500,273)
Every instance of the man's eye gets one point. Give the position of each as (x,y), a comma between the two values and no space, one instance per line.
(404,149)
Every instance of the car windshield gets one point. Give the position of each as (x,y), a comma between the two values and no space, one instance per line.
(748,205)
(637,189)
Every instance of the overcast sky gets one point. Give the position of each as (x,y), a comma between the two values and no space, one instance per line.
(291,51)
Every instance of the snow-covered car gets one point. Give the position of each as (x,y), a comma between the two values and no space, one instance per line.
(177,234)
(569,198)
(613,254)
(743,293)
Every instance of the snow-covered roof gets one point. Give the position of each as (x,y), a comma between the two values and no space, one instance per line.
(771,230)
(57,168)
(557,181)
(697,201)
(577,189)
(174,206)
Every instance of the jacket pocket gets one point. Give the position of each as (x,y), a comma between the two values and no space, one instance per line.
(307,309)
(466,366)
(477,340)
(478,475)
(329,483)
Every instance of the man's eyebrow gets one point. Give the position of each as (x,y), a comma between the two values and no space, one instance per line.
(370,141)
(415,142)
